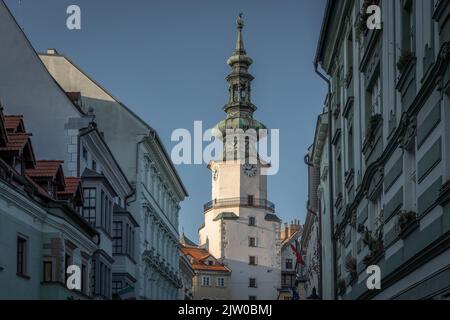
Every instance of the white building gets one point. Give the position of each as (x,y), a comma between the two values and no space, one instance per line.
(241,228)
(106,190)
(290,267)
(140,153)
(319,186)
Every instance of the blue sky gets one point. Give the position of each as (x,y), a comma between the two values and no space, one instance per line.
(166,60)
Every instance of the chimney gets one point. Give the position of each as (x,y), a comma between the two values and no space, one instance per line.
(294,227)
(284,232)
(52,51)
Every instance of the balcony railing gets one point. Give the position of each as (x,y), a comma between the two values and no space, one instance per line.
(239,202)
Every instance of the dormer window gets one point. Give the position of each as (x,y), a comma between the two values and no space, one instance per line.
(85,154)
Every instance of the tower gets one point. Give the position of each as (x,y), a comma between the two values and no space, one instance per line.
(241,227)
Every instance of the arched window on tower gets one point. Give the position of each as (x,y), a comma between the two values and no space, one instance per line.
(235,92)
(243,92)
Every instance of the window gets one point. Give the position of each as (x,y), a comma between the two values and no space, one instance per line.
(102,208)
(129,245)
(252,261)
(220,282)
(338,175)
(85,154)
(205,281)
(116,286)
(376,97)
(251,298)
(48,271)
(288,280)
(407,26)
(110,209)
(251,200)
(94,165)
(252,221)
(132,245)
(89,205)
(410,171)
(117,237)
(22,256)
(83,278)
(289,264)
(252,242)
(252,283)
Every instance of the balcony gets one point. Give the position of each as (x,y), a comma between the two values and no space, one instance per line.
(239,202)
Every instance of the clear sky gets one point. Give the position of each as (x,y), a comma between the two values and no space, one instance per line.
(166,60)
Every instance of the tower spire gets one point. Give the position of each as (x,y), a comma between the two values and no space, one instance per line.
(239,108)
(240,42)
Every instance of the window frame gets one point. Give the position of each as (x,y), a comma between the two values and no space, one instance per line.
(90,205)
(206,283)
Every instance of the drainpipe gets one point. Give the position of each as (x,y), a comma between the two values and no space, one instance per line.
(330,176)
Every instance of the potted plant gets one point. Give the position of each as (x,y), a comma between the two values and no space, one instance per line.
(342,287)
(350,267)
(407,221)
(361,19)
(374,241)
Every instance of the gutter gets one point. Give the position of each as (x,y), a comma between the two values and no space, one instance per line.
(330,177)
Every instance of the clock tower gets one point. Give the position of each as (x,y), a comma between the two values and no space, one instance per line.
(241,227)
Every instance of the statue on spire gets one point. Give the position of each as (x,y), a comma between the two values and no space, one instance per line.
(240,21)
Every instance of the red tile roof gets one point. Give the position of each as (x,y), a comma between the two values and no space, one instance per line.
(14,124)
(3,134)
(73,96)
(45,169)
(16,141)
(72,185)
(199,255)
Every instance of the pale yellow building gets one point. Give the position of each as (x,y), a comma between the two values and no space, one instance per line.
(212,279)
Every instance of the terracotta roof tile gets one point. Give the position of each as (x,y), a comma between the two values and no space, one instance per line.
(72,185)
(199,255)
(45,169)
(205,267)
(74,96)
(16,141)
(14,123)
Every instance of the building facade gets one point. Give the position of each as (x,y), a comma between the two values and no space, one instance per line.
(311,248)
(318,208)
(41,230)
(390,139)
(137,220)
(187,274)
(158,189)
(212,280)
(290,267)
(241,228)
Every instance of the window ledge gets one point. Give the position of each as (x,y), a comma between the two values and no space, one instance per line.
(23,276)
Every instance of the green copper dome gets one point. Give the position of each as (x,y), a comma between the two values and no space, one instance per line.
(243,123)
(239,108)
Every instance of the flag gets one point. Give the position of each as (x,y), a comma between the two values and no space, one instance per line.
(298,255)
(127,294)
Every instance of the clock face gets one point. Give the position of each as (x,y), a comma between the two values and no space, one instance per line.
(250,170)
(215,174)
